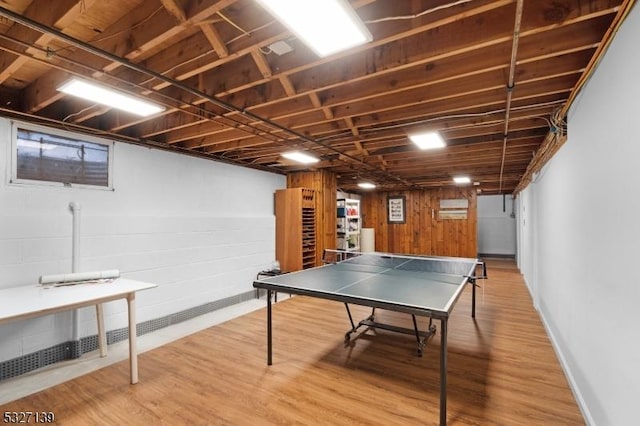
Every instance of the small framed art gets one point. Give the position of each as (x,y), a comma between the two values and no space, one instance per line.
(396,209)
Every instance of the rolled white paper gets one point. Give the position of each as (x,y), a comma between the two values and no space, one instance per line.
(79,276)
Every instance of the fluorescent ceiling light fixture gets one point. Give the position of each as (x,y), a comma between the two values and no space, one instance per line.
(326,26)
(367,185)
(430,140)
(109,97)
(462,179)
(300,157)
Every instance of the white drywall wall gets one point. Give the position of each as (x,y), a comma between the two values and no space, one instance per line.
(496,226)
(581,256)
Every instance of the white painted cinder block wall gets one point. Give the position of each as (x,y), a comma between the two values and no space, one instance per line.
(496,226)
(199,229)
(580,242)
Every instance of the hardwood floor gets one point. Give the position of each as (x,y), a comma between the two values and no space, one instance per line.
(502,371)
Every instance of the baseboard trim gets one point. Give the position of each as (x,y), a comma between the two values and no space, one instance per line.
(496,256)
(567,372)
(75,348)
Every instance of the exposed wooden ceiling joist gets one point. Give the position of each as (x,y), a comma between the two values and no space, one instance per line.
(439,64)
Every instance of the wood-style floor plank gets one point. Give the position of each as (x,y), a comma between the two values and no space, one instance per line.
(502,371)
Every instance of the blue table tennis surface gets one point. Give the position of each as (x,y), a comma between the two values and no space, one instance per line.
(425,283)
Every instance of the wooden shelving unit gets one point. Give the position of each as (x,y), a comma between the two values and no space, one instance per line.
(295,229)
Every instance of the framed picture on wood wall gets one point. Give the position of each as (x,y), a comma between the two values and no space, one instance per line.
(396,209)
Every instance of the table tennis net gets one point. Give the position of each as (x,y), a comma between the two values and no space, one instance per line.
(408,263)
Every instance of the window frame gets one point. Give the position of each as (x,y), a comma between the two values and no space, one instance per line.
(13,178)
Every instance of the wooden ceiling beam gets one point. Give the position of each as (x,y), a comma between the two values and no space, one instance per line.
(415,158)
(453,168)
(524,143)
(588,44)
(215,146)
(270,39)
(205,64)
(261,63)
(408,115)
(322,79)
(490,101)
(59,15)
(368,83)
(158,29)
(455,128)
(351,126)
(451,73)
(458,166)
(385,37)
(471,145)
(476,158)
(175,9)
(317,103)
(522,139)
(210,32)
(537,74)
(325,111)
(42,92)
(287,85)
(446,70)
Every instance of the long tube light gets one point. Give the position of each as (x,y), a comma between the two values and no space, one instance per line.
(109,97)
(300,157)
(367,185)
(462,180)
(326,26)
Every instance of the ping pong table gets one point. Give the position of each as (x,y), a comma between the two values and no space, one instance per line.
(416,285)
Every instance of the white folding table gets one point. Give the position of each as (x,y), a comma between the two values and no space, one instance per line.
(32,301)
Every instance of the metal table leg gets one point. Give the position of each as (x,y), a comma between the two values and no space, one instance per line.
(269,345)
(443,371)
(473,299)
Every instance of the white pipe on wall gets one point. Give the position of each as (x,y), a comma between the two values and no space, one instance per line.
(75,260)
(75,248)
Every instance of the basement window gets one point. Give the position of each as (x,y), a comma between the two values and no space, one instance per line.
(48,156)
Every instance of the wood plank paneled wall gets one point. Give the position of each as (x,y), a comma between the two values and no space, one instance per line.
(325,185)
(423,232)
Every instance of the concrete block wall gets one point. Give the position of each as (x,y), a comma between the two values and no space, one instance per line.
(199,229)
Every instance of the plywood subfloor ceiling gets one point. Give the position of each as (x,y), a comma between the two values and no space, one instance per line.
(494,77)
